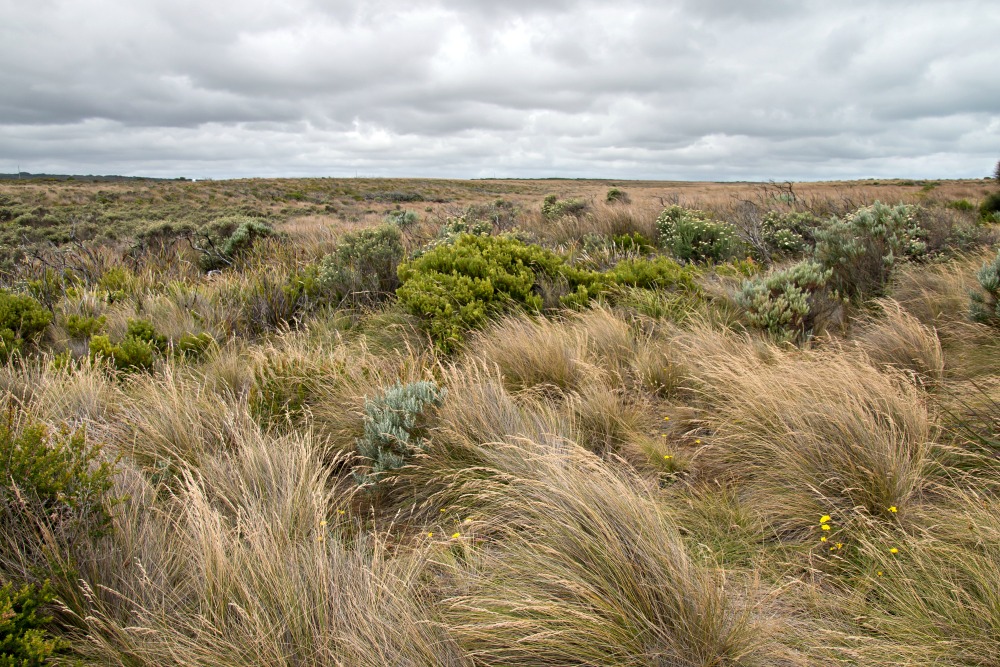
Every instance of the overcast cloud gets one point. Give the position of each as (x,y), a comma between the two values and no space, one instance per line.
(709,89)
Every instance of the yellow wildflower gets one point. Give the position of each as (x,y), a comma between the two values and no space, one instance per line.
(456,536)
(668,456)
(825,526)
(825,518)
(430,534)
(666,419)
(894,550)
(823,539)
(893,509)
(697,441)
(323,522)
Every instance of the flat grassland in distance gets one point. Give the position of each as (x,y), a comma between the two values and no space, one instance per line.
(499,422)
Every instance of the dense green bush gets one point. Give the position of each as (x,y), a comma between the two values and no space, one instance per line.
(784,303)
(137,351)
(617,196)
(861,249)
(990,206)
(788,234)
(984,305)
(23,638)
(693,236)
(83,327)
(553,207)
(394,428)
(454,288)
(656,273)
(225,240)
(22,321)
(58,480)
(363,268)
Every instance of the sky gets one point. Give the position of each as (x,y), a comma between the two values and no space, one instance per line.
(626,89)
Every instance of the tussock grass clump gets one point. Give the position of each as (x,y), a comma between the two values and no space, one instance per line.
(831,432)
(899,340)
(595,573)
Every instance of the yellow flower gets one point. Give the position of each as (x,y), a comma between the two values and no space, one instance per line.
(894,550)
(825,526)
(823,539)
(824,518)
(430,534)
(442,509)
(323,522)
(839,545)
(893,509)
(667,456)
(666,419)
(340,512)
(697,441)
(456,536)
(879,573)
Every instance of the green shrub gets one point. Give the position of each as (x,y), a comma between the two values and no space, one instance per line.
(23,639)
(500,214)
(363,268)
(137,351)
(990,206)
(56,479)
(784,303)
(394,427)
(788,234)
(83,327)
(617,196)
(194,345)
(401,219)
(455,288)
(961,205)
(656,273)
(862,249)
(984,306)
(22,321)
(693,236)
(225,240)
(553,207)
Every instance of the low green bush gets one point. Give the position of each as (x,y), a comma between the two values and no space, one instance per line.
(83,327)
(984,305)
(784,303)
(990,206)
(553,207)
(395,428)
(363,268)
(455,288)
(617,196)
(861,249)
(693,236)
(656,273)
(22,322)
(56,480)
(224,241)
(24,641)
(137,351)
(788,234)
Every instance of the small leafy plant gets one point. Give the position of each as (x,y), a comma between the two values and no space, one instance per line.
(24,641)
(22,321)
(394,427)
(693,236)
(362,270)
(784,303)
(984,304)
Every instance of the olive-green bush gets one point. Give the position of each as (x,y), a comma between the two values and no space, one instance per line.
(362,269)
(693,236)
(24,641)
(22,322)
(225,240)
(553,207)
(137,351)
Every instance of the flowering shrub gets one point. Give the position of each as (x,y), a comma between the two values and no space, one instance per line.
(693,236)
(553,207)
(862,249)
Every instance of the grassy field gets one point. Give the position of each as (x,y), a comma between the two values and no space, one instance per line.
(420,422)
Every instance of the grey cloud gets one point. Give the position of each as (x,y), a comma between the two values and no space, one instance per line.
(720,88)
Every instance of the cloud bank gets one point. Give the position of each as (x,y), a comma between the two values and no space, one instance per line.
(698,89)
